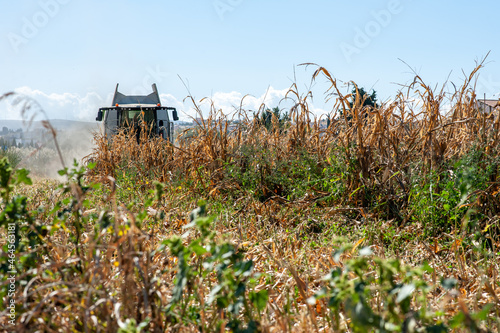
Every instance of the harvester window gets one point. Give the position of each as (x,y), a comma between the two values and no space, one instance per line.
(132,117)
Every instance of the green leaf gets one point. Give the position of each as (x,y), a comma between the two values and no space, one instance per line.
(259,299)
(405,292)
(437,329)
(5,172)
(244,268)
(198,249)
(449,283)
(63,172)
(427,268)
(337,254)
(213,293)
(483,314)
(22,177)
(456,321)
(144,324)
(392,328)
(158,190)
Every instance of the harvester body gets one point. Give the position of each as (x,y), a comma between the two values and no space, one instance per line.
(129,112)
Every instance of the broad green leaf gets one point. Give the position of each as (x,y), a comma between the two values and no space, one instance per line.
(259,299)
(198,249)
(22,177)
(405,292)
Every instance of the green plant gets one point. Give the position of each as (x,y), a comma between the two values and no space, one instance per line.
(131,326)
(92,259)
(24,231)
(13,155)
(382,295)
(212,273)
(441,199)
(274,120)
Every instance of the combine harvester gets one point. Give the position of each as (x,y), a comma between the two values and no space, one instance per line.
(129,112)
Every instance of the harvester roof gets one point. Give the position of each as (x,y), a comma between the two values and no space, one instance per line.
(151,100)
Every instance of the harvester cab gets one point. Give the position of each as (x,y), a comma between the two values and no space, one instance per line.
(128,112)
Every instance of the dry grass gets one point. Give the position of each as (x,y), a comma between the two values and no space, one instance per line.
(94,284)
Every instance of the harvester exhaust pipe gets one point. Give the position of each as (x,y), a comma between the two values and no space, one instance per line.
(155,91)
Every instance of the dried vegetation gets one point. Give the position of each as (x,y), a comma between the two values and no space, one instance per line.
(414,190)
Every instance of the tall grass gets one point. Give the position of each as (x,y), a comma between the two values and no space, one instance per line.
(412,188)
(374,154)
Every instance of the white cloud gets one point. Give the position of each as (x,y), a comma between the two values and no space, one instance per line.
(74,106)
(231,102)
(228,102)
(55,106)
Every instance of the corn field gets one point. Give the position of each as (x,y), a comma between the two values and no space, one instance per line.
(385,220)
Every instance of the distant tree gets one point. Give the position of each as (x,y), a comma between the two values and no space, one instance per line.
(266,118)
(367,100)
(2,143)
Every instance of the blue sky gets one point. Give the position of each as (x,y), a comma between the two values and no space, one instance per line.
(69,54)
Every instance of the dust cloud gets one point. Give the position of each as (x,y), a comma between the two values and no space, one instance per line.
(75,141)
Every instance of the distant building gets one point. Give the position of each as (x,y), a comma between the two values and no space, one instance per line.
(488,105)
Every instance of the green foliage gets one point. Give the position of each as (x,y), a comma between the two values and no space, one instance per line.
(13,156)
(359,95)
(364,97)
(32,234)
(15,216)
(215,285)
(274,119)
(394,299)
(199,262)
(266,175)
(130,326)
(441,199)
